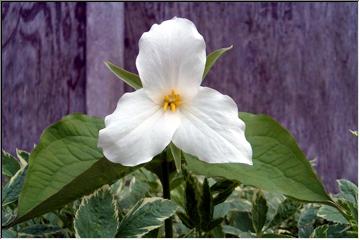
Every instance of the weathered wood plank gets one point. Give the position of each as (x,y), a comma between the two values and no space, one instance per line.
(43,68)
(104,41)
(294,61)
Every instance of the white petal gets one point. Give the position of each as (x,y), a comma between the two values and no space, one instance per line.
(212,131)
(137,130)
(171,56)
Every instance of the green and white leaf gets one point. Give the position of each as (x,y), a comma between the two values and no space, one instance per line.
(286,210)
(353,132)
(66,165)
(97,216)
(330,231)
(348,190)
(39,230)
(274,201)
(9,164)
(148,214)
(331,214)
(7,215)
(306,221)
(131,194)
(12,189)
(279,165)
(23,157)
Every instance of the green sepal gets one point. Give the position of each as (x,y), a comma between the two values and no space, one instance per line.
(132,79)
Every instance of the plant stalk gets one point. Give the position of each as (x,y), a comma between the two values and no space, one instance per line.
(166,195)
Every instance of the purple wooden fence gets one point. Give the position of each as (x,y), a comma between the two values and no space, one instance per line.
(294,61)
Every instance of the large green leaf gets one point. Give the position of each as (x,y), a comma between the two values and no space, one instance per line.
(9,164)
(148,214)
(129,78)
(213,57)
(279,165)
(66,165)
(97,216)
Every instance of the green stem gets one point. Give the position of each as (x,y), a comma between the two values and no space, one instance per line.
(166,195)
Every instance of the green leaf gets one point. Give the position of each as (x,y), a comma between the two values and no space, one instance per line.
(66,165)
(13,188)
(146,215)
(6,233)
(235,232)
(206,207)
(97,216)
(223,188)
(214,223)
(279,165)
(192,198)
(241,220)
(185,220)
(306,222)
(349,191)
(259,211)
(9,164)
(176,154)
(331,214)
(213,57)
(129,78)
(39,230)
(222,209)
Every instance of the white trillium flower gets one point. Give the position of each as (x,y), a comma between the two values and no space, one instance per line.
(172,106)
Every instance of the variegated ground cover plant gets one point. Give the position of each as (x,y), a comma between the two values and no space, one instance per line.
(175,159)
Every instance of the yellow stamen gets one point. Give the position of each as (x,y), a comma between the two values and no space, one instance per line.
(165,107)
(173,107)
(173,100)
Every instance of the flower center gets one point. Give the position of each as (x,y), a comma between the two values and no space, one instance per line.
(172,101)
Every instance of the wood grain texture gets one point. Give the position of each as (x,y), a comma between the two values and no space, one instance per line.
(294,61)
(104,41)
(43,73)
